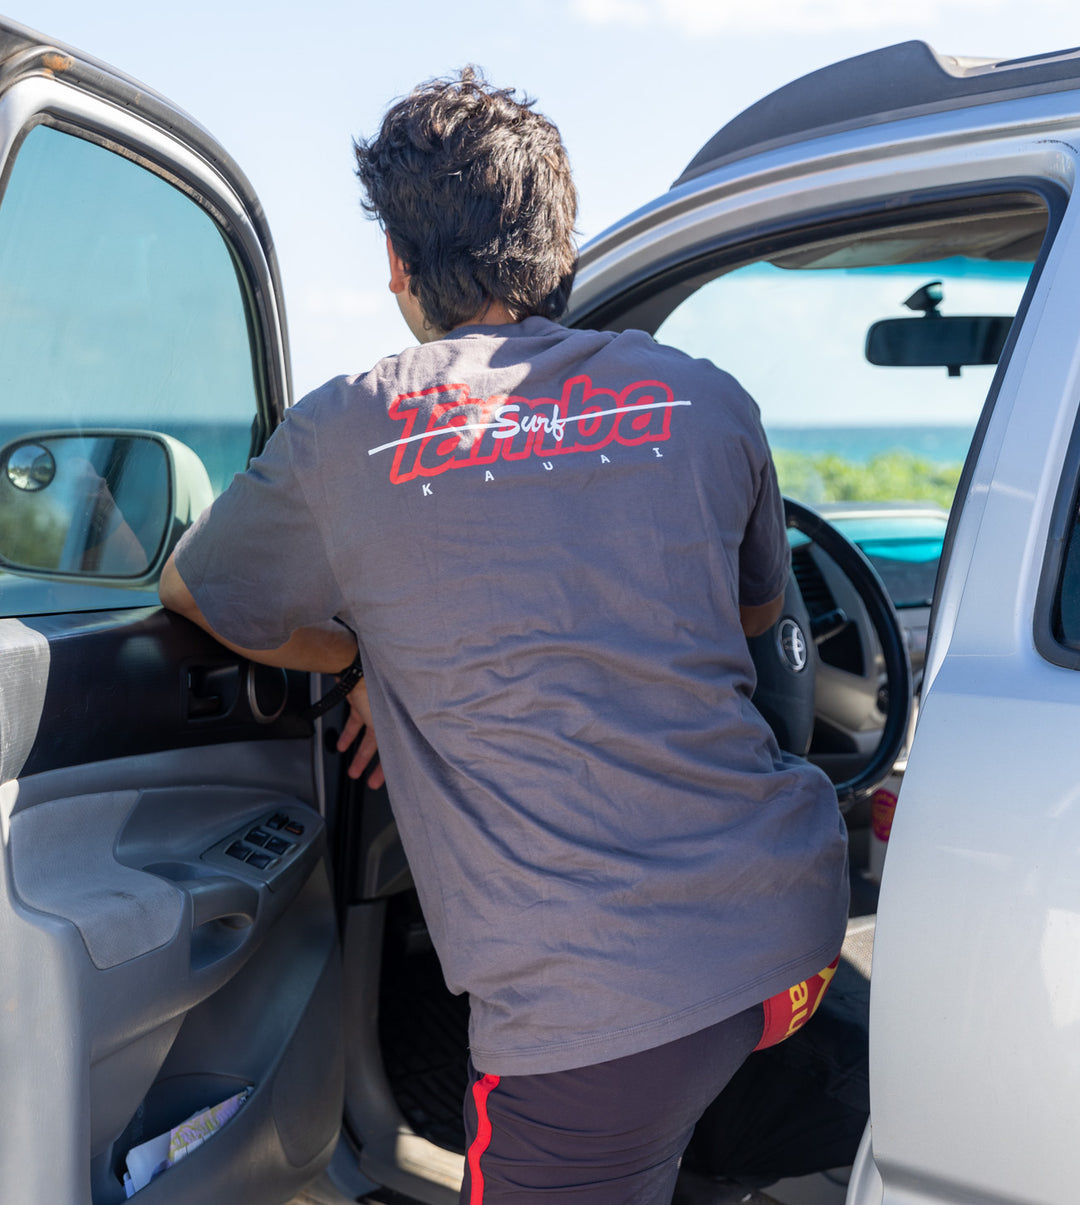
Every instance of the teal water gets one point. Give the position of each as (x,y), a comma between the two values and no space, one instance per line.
(939,445)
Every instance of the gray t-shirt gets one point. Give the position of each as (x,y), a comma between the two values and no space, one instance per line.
(542,538)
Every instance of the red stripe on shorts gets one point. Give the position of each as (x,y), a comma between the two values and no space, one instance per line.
(481,1090)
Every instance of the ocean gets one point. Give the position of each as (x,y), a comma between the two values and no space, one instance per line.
(939,445)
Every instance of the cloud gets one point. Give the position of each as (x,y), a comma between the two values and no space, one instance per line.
(704,17)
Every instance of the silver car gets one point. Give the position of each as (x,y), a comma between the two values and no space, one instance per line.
(217,985)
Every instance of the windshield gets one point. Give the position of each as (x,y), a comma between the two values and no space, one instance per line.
(841,428)
(876,447)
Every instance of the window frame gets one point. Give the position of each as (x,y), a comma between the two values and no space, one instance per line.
(142,133)
(255,322)
(225,198)
(621,309)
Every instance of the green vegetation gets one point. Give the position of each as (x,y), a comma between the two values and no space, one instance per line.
(896,476)
(31,533)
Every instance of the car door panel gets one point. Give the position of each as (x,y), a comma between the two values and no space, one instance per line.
(166,984)
(980,891)
(141,680)
(161,951)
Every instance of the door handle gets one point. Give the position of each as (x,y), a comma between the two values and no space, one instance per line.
(223,911)
(221,898)
(211,690)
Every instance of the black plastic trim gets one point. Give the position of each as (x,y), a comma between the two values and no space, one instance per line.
(908,79)
(117,687)
(1047,600)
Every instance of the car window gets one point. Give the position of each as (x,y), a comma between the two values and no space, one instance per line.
(823,336)
(121,308)
(843,429)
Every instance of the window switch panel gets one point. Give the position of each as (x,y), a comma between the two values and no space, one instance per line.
(263,847)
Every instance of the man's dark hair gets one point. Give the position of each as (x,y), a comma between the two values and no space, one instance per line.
(474,189)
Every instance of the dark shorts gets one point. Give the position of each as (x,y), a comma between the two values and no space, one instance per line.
(608,1134)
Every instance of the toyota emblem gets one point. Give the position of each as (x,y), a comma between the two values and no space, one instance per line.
(792,642)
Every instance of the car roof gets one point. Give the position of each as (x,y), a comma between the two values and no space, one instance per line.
(904,80)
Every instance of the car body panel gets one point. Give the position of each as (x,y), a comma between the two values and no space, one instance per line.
(146,975)
(975,1028)
(980,902)
(149,971)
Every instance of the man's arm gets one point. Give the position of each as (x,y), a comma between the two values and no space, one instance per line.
(756,621)
(323,649)
(326,649)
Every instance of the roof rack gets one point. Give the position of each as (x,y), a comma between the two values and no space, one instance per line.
(904,80)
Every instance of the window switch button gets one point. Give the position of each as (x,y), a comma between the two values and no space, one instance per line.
(257,837)
(239,851)
(276,846)
(261,860)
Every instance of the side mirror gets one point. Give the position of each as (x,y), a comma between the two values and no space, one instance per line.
(103,505)
(937,341)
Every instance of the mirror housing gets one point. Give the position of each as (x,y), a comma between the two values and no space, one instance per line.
(938,342)
(104,505)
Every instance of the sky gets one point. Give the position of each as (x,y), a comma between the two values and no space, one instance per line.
(635,86)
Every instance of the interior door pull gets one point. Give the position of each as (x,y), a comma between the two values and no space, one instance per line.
(211,690)
(221,898)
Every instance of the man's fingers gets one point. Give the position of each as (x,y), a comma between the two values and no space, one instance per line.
(350,732)
(362,759)
(359,725)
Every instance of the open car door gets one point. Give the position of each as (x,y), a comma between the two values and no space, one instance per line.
(166,923)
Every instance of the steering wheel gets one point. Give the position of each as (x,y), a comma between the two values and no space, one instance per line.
(786,658)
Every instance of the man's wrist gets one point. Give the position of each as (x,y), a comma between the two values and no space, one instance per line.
(351,674)
(347,680)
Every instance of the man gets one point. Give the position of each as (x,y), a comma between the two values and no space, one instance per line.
(549,545)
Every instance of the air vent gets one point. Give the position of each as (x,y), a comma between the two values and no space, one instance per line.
(815,592)
(844,650)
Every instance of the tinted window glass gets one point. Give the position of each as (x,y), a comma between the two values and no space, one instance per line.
(120,307)
(1069,601)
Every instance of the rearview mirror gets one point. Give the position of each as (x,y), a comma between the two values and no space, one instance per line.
(102,505)
(937,341)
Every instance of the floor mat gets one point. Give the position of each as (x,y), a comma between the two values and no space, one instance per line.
(423,1031)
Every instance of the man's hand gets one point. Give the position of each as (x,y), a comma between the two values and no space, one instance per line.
(360,721)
